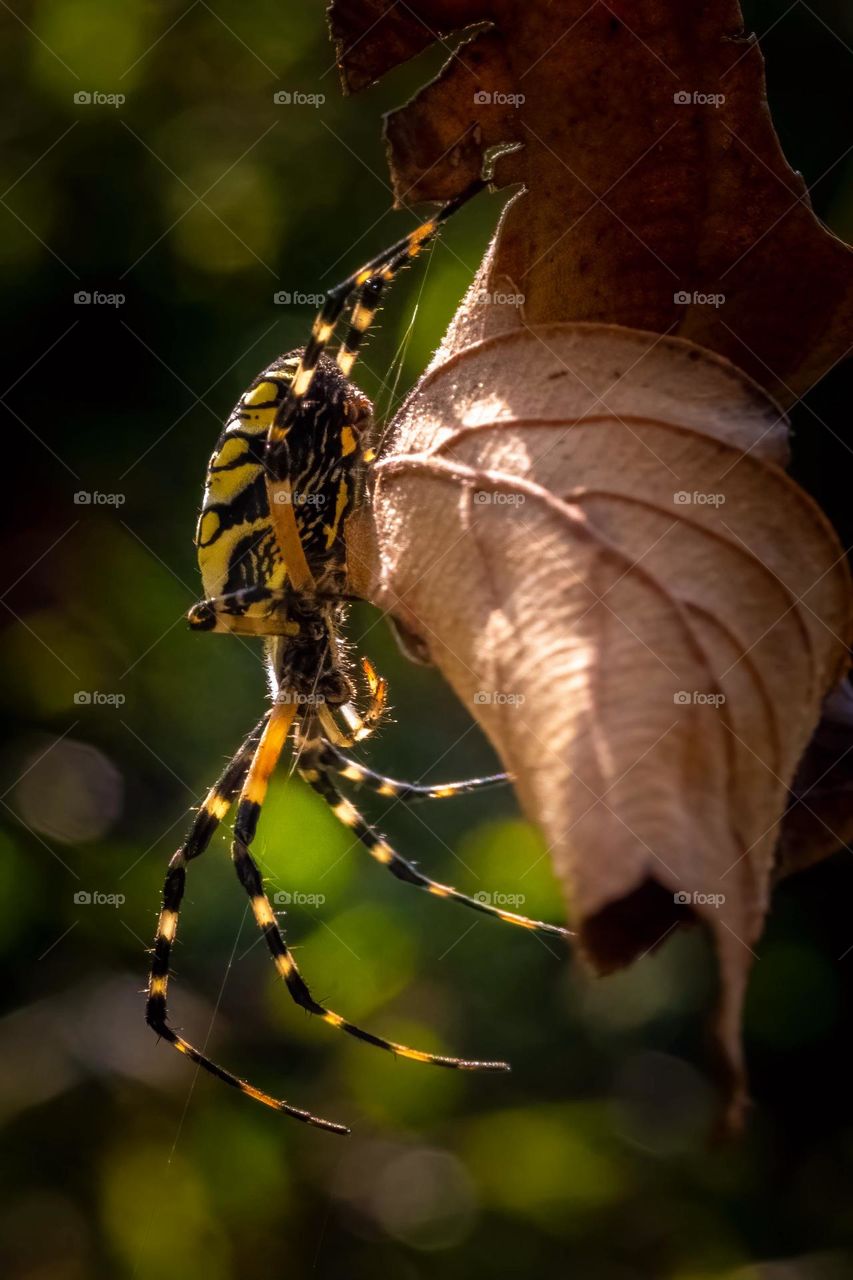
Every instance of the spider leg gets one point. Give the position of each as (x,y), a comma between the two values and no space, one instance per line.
(362,726)
(354,771)
(316,773)
(369,295)
(231,612)
(211,812)
(359,726)
(363,314)
(383,267)
(248,812)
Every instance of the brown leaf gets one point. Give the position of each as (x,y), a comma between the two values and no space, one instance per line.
(589,531)
(374,36)
(634,200)
(526,534)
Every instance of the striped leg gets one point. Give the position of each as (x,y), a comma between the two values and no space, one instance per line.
(363,315)
(210,814)
(381,268)
(316,774)
(248,812)
(359,726)
(333,758)
(230,612)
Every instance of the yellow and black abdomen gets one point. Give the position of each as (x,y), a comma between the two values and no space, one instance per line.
(236,541)
(234,538)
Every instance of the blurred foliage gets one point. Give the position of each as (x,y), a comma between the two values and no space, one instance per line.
(199,199)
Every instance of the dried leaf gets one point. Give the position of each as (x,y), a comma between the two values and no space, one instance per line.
(638,605)
(639,206)
(588,527)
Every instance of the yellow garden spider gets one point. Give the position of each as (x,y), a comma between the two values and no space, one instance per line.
(289,468)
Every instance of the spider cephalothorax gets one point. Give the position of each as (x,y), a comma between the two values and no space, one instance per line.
(310,665)
(289,468)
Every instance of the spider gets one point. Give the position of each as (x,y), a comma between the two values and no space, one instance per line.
(290,466)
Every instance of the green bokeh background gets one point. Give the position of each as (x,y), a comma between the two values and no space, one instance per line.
(198,199)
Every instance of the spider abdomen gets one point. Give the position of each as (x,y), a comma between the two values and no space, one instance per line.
(238,549)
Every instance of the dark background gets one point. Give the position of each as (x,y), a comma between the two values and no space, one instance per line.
(198,199)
